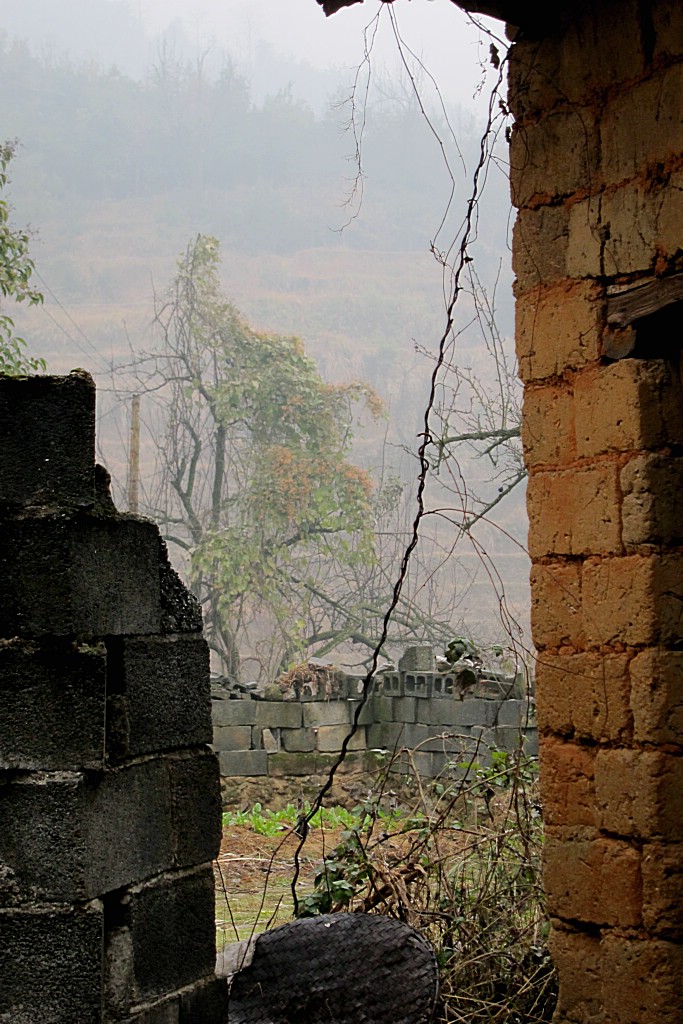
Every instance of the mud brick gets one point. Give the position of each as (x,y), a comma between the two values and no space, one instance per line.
(53,703)
(74,574)
(47,440)
(50,965)
(159,694)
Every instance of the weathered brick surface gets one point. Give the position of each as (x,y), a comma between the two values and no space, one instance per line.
(593,879)
(662,871)
(578,959)
(586,696)
(567,784)
(47,440)
(53,705)
(641,980)
(540,247)
(548,431)
(50,965)
(556,612)
(558,329)
(574,512)
(560,151)
(640,793)
(651,486)
(657,696)
(160,694)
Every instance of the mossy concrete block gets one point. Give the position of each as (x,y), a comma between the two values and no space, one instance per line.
(53,705)
(159,694)
(334,712)
(78,575)
(278,714)
(233,712)
(47,440)
(51,965)
(294,764)
(243,762)
(298,741)
(331,737)
(232,737)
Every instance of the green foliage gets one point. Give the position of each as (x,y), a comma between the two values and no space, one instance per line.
(260,491)
(265,822)
(16,268)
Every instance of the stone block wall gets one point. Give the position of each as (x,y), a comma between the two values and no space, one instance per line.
(597,176)
(109,794)
(293,740)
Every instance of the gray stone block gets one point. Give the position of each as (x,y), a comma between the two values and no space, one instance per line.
(73,837)
(367,713)
(414,735)
(172,932)
(53,705)
(514,713)
(47,440)
(78,575)
(233,712)
(196,807)
(385,736)
(331,737)
(334,712)
(297,741)
(232,737)
(383,707)
(405,709)
(278,714)
(408,763)
(475,711)
(159,694)
(244,762)
(50,965)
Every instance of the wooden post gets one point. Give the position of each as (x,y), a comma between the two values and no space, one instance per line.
(134,455)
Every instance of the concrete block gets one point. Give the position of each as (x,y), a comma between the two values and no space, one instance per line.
(419,658)
(284,764)
(50,965)
(206,1002)
(232,737)
(385,736)
(298,741)
(411,762)
(244,762)
(72,837)
(53,705)
(336,712)
(367,714)
(513,713)
(405,709)
(159,694)
(233,712)
(180,610)
(172,931)
(278,714)
(78,575)
(418,684)
(195,807)
(47,440)
(473,711)
(383,707)
(331,737)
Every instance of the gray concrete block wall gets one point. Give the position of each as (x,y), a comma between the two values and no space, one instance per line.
(440,729)
(109,793)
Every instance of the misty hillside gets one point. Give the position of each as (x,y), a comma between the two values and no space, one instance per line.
(116,173)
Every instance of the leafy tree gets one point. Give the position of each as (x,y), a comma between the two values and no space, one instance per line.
(16,268)
(254,480)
